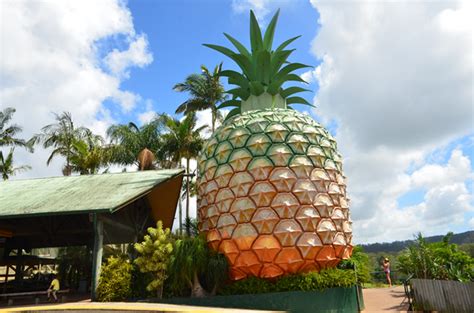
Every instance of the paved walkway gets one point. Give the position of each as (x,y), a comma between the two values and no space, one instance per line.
(385,299)
(118,307)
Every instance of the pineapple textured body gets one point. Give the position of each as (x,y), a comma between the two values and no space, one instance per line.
(272,195)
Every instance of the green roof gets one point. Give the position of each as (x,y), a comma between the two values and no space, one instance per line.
(78,194)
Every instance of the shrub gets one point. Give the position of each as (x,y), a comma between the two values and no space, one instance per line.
(360,261)
(115,280)
(154,254)
(440,260)
(327,278)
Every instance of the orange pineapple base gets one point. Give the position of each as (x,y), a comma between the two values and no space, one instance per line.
(272,196)
(268,234)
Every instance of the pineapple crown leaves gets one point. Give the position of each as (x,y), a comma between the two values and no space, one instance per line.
(263,69)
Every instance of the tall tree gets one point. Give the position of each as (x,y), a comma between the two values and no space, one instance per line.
(133,145)
(61,136)
(7,168)
(8,133)
(182,140)
(206,92)
(88,153)
(9,137)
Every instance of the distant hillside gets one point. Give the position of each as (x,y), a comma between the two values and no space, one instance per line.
(396,246)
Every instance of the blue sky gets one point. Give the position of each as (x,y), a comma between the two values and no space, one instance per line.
(176,31)
(392,80)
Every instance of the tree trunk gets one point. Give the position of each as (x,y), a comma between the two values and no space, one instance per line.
(197,291)
(214,115)
(159,292)
(180,207)
(188,230)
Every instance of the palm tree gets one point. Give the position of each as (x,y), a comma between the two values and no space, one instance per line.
(182,140)
(6,165)
(206,93)
(8,133)
(61,136)
(88,154)
(133,145)
(191,260)
(8,137)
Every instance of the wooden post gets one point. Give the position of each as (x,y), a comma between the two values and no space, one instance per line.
(96,255)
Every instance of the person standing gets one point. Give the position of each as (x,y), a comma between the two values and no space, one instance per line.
(386,269)
(53,288)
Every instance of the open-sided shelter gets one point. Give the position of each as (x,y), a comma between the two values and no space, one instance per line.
(87,210)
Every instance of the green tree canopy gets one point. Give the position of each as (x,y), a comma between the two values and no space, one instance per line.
(206,92)
(61,136)
(9,133)
(7,167)
(129,140)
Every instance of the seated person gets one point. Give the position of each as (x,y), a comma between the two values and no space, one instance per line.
(53,288)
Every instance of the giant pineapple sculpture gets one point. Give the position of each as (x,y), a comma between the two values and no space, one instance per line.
(272,195)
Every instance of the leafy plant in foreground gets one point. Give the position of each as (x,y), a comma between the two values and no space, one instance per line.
(154,254)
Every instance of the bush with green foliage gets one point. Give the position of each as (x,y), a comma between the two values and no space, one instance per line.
(439,260)
(326,278)
(360,262)
(115,280)
(154,255)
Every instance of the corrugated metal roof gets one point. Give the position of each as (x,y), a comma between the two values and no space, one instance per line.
(74,194)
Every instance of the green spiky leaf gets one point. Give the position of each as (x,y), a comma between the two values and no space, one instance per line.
(270,32)
(239,92)
(235,78)
(255,34)
(292,90)
(240,47)
(291,67)
(294,77)
(233,112)
(278,59)
(298,100)
(223,50)
(263,67)
(256,88)
(229,103)
(263,70)
(286,43)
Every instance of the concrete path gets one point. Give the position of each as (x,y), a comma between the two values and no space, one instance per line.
(123,307)
(385,299)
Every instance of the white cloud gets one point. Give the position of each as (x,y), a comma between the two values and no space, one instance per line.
(396,78)
(148,114)
(51,61)
(260,7)
(137,54)
(126,99)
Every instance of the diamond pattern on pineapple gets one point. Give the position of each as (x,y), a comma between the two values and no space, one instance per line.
(272,195)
